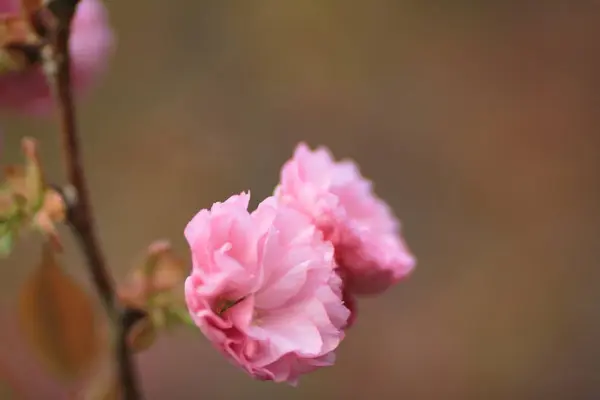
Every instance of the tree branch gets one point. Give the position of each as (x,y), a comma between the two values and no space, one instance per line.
(80,216)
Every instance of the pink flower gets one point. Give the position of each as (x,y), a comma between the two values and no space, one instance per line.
(366,235)
(263,288)
(91,44)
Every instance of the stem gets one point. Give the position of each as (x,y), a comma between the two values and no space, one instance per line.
(81,216)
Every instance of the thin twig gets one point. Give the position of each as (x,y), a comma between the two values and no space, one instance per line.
(80,216)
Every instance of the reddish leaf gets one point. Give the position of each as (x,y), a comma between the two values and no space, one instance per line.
(109,391)
(57,318)
(9,389)
(103,385)
(159,273)
(12,61)
(163,268)
(24,183)
(34,179)
(142,334)
(31,6)
(25,201)
(14,176)
(16,35)
(13,29)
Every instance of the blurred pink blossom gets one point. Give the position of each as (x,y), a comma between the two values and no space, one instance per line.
(263,288)
(91,43)
(366,235)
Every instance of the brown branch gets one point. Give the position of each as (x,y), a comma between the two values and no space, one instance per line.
(81,216)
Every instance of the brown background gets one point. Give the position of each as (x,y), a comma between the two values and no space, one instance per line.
(478,121)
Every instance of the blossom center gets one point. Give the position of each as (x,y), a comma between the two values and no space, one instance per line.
(223,305)
(257,316)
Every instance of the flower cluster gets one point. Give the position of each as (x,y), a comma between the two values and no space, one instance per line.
(274,289)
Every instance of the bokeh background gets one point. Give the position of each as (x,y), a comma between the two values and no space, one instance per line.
(478,121)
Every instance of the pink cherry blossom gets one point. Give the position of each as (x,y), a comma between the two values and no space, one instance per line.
(366,235)
(91,43)
(263,288)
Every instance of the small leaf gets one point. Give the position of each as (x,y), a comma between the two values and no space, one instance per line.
(14,176)
(7,392)
(26,181)
(142,334)
(159,273)
(9,231)
(22,195)
(177,315)
(12,60)
(104,385)
(7,202)
(17,38)
(34,178)
(163,267)
(14,29)
(9,388)
(7,241)
(57,318)
(154,288)
(110,391)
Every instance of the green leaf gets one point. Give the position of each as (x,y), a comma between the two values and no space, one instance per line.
(9,231)
(22,195)
(177,316)
(6,241)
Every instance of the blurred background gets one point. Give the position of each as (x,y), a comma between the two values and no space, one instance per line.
(478,121)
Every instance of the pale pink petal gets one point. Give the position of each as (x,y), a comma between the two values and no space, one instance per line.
(264,289)
(292,333)
(277,293)
(366,235)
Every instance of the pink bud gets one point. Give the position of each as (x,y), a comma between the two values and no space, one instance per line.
(91,43)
